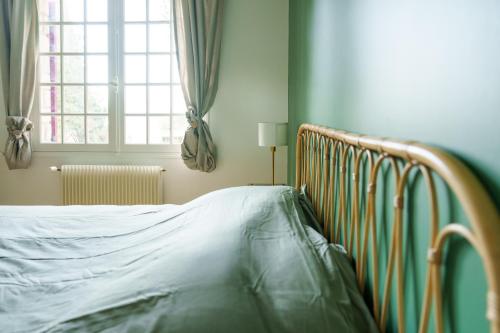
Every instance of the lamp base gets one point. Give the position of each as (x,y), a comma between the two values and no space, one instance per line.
(273,152)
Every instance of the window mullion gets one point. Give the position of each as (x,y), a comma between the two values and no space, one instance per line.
(61,67)
(171,76)
(85,46)
(147,71)
(116,55)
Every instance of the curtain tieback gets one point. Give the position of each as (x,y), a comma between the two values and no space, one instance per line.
(192,116)
(16,133)
(18,126)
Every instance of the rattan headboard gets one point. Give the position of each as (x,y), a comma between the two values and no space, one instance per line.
(323,157)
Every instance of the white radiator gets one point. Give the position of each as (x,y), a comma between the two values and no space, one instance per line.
(111,185)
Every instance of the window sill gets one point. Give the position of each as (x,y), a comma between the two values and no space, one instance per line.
(79,154)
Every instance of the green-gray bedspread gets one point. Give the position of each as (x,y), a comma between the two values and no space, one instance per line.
(235,260)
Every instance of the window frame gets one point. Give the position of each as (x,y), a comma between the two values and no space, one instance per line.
(116,88)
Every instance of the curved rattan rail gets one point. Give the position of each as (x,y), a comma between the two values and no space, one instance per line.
(323,155)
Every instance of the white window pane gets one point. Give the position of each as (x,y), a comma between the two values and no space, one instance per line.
(159,68)
(97,99)
(73,69)
(159,10)
(97,10)
(135,38)
(50,99)
(159,99)
(178,102)
(73,99)
(135,10)
(159,130)
(49,10)
(179,126)
(73,38)
(50,129)
(175,70)
(159,37)
(97,129)
(135,130)
(50,69)
(135,69)
(49,38)
(135,99)
(72,10)
(97,69)
(97,38)
(74,129)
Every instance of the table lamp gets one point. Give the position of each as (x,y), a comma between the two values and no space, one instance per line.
(272,135)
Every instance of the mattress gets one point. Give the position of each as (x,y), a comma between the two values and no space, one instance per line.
(243,259)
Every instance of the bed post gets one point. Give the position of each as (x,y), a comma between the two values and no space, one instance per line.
(298,158)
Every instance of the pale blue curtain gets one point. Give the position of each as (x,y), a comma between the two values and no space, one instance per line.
(18,66)
(198,32)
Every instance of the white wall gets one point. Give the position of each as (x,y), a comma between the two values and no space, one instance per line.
(253,87)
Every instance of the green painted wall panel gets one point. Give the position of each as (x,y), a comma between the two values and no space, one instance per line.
(421,70)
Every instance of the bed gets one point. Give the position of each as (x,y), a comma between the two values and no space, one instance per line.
(244,259)
(235,260)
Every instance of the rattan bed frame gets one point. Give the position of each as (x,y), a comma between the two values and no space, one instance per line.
(323,157)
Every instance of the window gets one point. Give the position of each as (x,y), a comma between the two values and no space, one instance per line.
(108,70)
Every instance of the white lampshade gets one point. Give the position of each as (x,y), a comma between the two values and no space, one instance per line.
(272,134)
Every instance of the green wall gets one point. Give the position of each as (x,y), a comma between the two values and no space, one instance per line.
(422,70)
